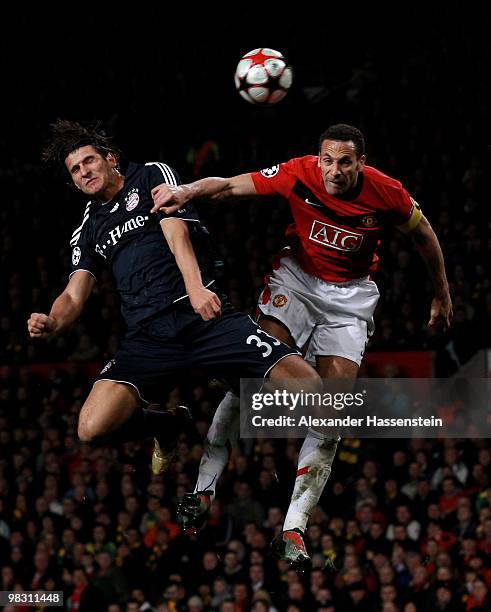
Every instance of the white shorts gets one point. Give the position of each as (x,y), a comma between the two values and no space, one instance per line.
(336,317)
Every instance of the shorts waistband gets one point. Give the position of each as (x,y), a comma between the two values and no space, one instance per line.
(354,281)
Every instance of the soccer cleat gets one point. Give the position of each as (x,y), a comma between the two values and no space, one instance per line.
(162,457)
(290,547)
(192,511)
(165,450)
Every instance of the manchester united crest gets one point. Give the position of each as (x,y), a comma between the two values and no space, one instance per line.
(369,220)
(279,300)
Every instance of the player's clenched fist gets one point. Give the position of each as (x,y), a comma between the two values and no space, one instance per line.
(168,198)
(40,325)
(205,303)
(441,312)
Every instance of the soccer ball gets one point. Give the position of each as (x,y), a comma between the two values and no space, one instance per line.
(263,77)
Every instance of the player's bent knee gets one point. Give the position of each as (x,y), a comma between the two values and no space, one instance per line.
(88,431)
(337,367)
(294,368)
(108,406)
(91,431)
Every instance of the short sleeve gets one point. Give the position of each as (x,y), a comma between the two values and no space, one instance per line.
(159,173)
(186,213)
(84,256)
(406,213)
(278,179)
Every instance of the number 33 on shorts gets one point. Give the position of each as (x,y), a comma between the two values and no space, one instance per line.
(264,345)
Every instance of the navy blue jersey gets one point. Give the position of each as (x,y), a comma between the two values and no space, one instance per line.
(124,235)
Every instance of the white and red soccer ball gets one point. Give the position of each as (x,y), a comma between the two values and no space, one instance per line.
(263,77)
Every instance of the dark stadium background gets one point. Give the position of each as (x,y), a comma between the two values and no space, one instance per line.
(161,81)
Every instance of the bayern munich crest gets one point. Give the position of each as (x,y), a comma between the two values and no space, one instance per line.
(132,199)
(270,172)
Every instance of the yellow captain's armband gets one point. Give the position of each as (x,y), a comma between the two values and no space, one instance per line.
(413,220)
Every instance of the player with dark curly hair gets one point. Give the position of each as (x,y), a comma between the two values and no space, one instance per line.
(170,302)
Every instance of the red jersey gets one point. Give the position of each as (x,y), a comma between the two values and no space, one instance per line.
(333,238)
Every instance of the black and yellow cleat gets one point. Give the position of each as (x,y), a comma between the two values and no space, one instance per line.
(165,448)
(290,547)
(162,457)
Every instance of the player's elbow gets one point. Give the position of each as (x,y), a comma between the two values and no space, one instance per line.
(174,230)
(422,233)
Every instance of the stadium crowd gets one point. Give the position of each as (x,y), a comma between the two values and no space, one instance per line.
(407,523)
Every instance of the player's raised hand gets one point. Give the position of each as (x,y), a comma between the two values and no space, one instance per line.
(441,312)
(168,198)
(205,303)
(40,325)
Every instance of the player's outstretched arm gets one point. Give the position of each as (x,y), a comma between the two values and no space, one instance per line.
(427,244)
(66,308)
(204,302)
(168,198)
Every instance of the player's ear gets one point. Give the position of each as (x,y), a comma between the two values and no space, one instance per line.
(361,162)
(111,158)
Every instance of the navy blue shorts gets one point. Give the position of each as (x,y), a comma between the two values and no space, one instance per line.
(154,356)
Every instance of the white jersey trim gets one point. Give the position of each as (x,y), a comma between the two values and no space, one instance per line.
(179,218)
(82,270)
(124,382)
(167,173)
(185,296)
(78,230)
(296,353)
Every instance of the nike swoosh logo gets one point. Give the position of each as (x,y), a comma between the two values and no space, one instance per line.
(307,201)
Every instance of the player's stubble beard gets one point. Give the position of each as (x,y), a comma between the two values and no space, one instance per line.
(345,186)
(114,184)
